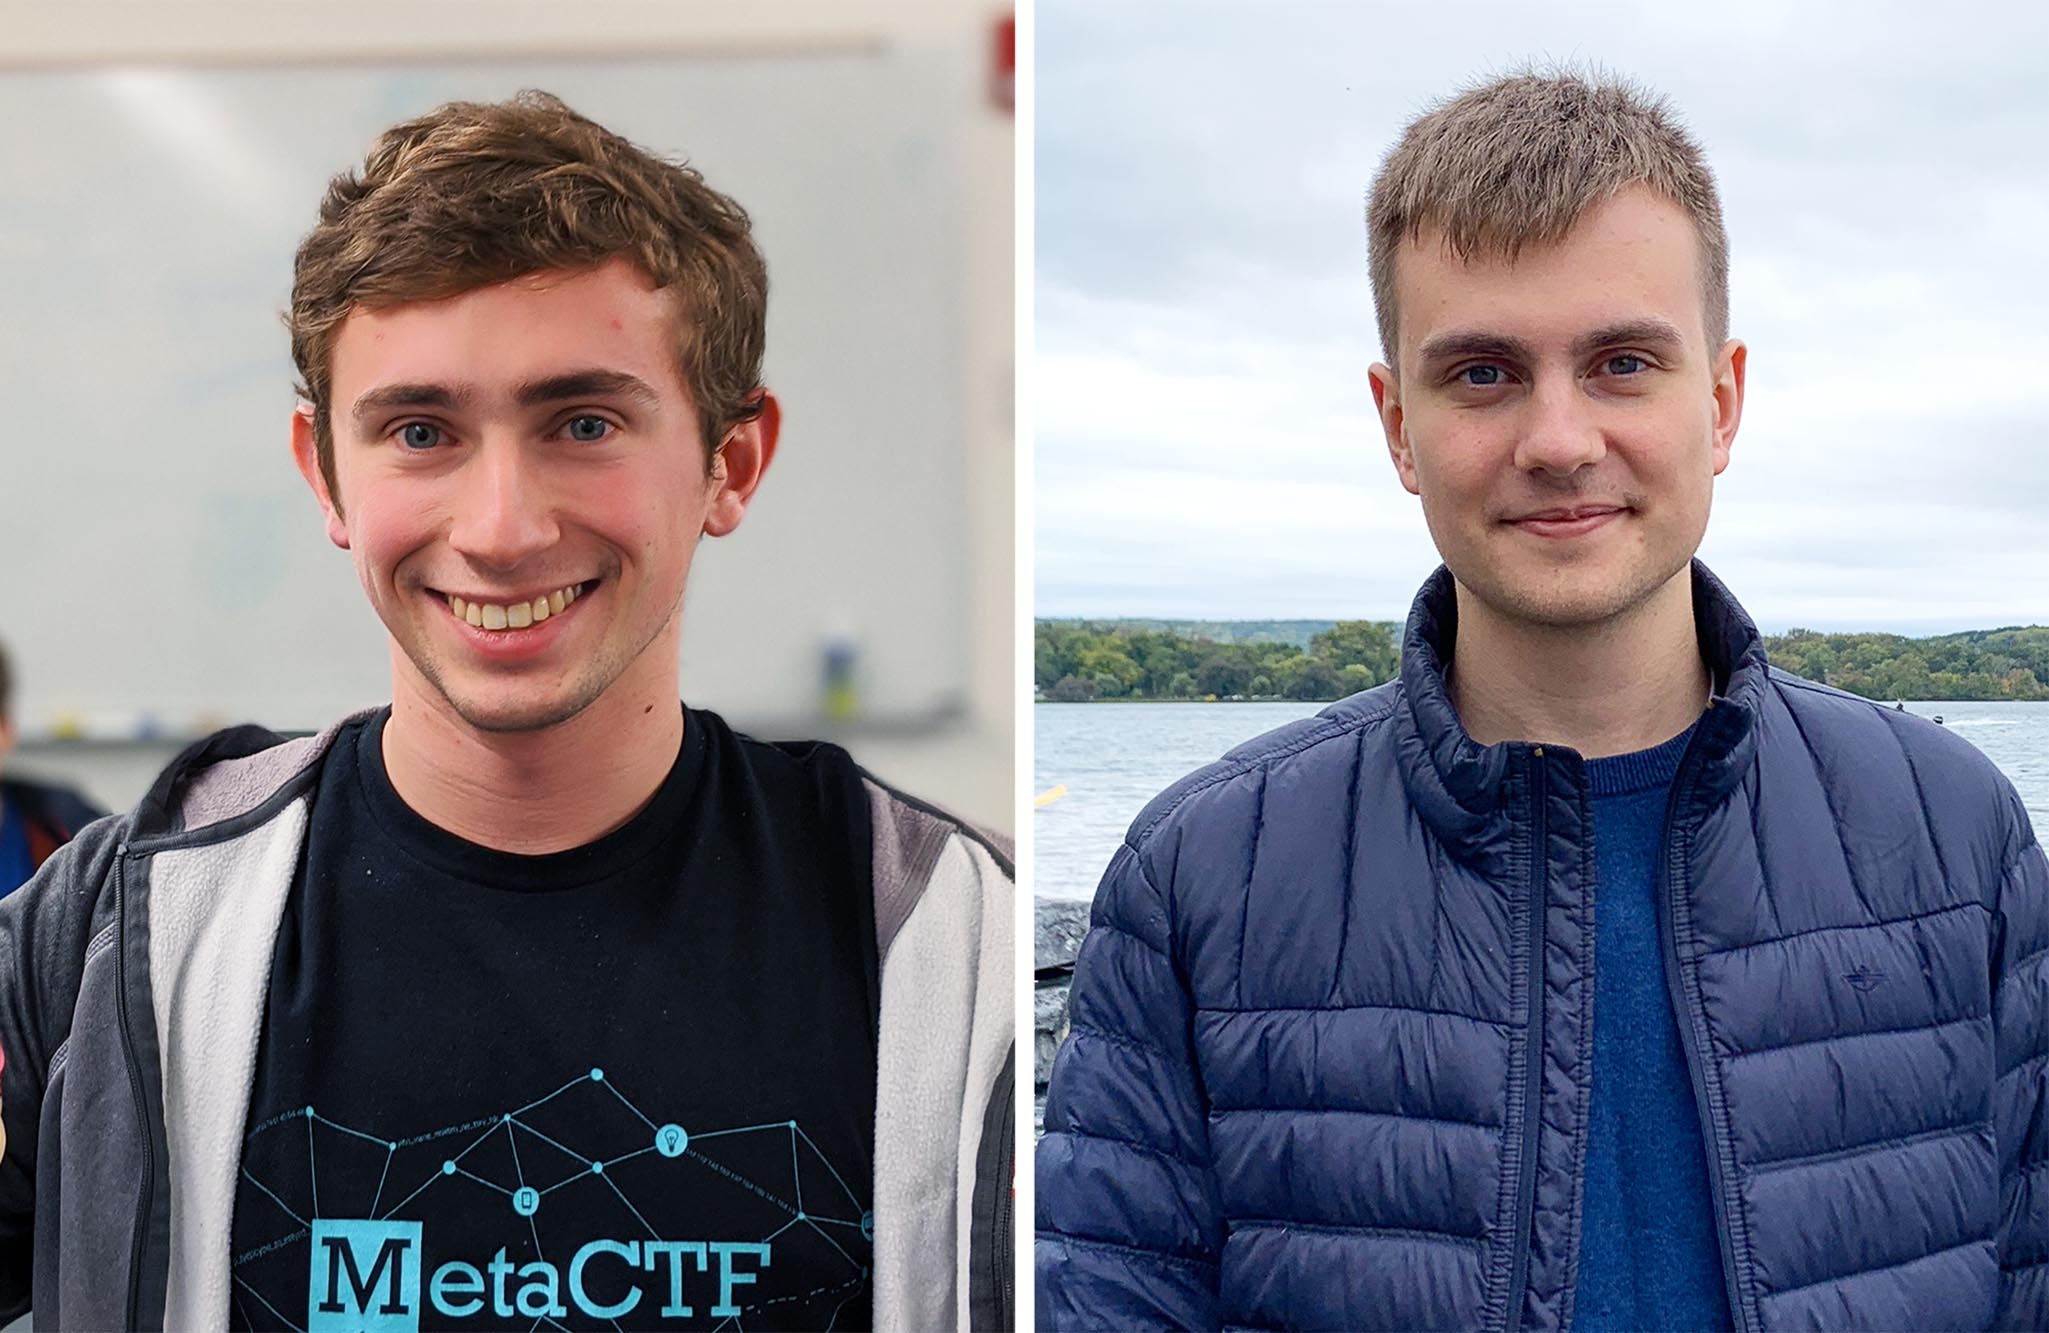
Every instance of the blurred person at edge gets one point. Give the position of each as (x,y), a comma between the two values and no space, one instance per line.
(1593,974)
(736,994)
(36,818)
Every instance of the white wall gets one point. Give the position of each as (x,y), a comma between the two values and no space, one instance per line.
(967,763)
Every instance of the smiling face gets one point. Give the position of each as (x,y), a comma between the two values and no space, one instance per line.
(521,480)
(1561,415)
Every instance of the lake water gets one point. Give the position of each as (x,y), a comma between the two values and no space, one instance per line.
(1113,758)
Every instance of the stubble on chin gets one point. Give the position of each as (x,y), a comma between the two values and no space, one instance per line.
(508,722)
(498,716)
(1572,595)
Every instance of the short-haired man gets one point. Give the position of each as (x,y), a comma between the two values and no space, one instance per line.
(36,818)
(535,998)
(1593,973)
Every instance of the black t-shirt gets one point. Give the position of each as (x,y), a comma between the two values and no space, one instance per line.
(628,1085)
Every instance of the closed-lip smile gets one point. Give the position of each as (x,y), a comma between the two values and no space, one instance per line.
(1566,520)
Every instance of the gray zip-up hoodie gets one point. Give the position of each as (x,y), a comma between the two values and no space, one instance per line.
(133,972)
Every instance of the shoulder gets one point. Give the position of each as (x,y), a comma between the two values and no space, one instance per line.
(803,793)
(50,802)
(922,852)
(1317,760)
(235,777)
(71,886)
(915,844)
(219,786)
(906,818)
(1856,739)
(779,769)
(1881,758)
(50,930)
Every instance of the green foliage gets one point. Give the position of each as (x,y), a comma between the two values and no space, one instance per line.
(1975,665)
(1071,690)
(1078,660)
(1295,633)
(1360,643)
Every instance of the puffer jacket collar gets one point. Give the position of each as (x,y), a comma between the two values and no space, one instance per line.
(1457,784)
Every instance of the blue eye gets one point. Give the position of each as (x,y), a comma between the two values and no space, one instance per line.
(1626,365)
(1481,377)
(589,430)
(419,435)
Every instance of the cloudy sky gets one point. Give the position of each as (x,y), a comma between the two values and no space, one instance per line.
(1206,444)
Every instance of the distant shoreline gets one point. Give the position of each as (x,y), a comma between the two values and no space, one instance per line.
(1311,662)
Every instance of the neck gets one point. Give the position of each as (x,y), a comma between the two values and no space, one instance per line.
(538,791)
(1615,688)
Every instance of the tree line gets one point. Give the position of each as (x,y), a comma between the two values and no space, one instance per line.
(1977,664)
(1076,661)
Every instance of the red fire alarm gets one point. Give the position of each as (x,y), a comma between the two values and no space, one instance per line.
(1003,64)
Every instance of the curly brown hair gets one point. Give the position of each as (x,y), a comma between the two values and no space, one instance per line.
(1515,161)
(476,193)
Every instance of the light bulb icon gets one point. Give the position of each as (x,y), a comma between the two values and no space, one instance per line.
(671,1140)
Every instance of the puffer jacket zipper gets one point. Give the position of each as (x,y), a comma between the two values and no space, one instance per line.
(1533,1053)
(1686,1014)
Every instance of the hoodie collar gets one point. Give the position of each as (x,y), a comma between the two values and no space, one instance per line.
(229,776)
(1458,785)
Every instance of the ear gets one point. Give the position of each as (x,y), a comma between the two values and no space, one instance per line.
(1387,400)
(742,460)
(1728,393)
(307,455)
(6,736)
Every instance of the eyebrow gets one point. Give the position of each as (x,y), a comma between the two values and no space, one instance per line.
(585,384)
(391,396)
(1656,334)
(532,393)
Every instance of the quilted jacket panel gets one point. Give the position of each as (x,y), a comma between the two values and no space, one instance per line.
(1332,1025)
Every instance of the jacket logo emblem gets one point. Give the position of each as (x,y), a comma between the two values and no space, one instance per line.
(1864,979)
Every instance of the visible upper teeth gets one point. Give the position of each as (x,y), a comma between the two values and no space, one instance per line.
(514,615)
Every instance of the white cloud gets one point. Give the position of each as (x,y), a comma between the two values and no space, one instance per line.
(1206,439)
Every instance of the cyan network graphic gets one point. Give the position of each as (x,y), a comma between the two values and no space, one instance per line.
(599,1216)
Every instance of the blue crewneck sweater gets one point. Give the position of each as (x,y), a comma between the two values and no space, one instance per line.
(1648,1258)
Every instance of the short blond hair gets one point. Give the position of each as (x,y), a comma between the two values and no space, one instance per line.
(472,194)
(1514,162)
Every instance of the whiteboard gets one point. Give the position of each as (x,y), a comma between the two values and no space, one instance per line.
(162,566)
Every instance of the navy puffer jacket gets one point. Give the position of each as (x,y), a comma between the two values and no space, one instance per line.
(1332,1026)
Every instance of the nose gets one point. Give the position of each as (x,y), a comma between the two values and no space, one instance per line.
(503,512)
(1560,434)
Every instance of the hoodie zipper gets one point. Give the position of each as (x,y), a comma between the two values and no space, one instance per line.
(1533,1059)
(1006,1248)
(146,1192)
(1668,930)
